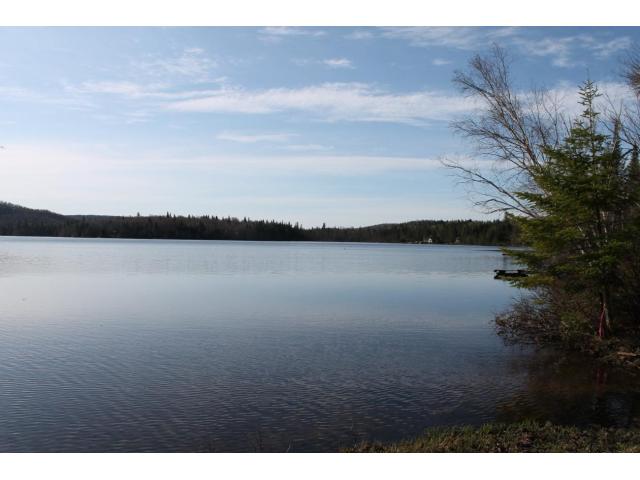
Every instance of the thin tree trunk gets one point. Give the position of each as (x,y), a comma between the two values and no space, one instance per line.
(606,307)
(605,319)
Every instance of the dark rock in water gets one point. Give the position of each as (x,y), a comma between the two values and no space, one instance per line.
(499,274)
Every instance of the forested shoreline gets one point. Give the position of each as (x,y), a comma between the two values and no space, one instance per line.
(21,221)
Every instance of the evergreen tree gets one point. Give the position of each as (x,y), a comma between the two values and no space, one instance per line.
(584,231)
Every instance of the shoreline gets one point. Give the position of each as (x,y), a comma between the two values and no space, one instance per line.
(519,437)
(495,247)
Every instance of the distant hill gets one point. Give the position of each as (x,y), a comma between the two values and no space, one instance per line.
(21,221)
(15,220)
(9,210)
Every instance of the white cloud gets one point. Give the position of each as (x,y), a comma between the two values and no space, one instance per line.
(338,63)
(301,62)
(54,99)
(308,147)
(292,31)
(307,164)
(465,38)
(360,35)
(42,161)
(138,90)
(333,102)
(192,63)
(137,117)
(17,93)
(277,34)
(613,93)
(335,63)
(560,49)
(606,49)
(438,62)
(124,88)
(254,138)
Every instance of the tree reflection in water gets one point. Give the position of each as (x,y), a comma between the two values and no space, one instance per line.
(573,390)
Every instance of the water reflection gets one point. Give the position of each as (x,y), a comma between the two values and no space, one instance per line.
(111,345)
(573,390)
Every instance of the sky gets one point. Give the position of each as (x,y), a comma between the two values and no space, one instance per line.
(339,125)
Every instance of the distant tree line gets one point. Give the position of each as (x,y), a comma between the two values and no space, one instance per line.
(16,220)
(468,232)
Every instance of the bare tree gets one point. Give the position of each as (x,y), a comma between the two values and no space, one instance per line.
(631,70)
(511,132)
(629,112)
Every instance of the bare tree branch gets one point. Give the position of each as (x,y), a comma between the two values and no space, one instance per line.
(512,132)
(631,70)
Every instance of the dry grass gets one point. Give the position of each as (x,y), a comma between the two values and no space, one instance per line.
(517,437)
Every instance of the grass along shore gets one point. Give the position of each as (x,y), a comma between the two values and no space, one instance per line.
(519,437)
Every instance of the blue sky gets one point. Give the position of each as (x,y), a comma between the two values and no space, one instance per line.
(338,125)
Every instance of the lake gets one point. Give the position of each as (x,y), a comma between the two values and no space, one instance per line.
(159,345)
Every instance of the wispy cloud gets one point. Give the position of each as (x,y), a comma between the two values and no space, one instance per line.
(335,63)
(606,49)
(50,98)
(292,31)
(24,159)
(308,147)
(254,138)
(123,88)
(138,90)
(561,50)
(333,102)
(308,164)
(192,63)
(360,35)
(558,49)
(466,38)
(338,63)
(17,93)
(613,93)
(439,62)
(276,34)
(330,102)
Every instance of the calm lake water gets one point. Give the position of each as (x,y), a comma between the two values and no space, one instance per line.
(118,345)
